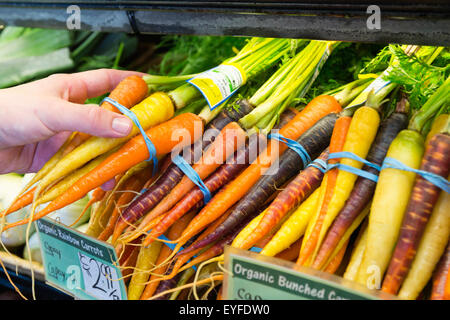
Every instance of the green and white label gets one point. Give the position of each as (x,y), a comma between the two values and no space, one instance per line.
(78,264)
(379,83)
(252,276)
(219,83)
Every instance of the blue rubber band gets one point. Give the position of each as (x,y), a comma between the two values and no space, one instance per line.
(354,170)
(319,164)
(294,145)
(150,146)
(350,155)
(193,175)
(359,172)
(435,179)
(172,247)
(255,249)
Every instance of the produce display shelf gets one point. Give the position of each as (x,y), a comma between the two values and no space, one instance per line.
(411,22)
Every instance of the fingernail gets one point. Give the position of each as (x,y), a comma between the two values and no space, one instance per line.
(121,125)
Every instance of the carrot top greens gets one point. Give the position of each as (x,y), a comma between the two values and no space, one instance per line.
(419,77)
(193,54)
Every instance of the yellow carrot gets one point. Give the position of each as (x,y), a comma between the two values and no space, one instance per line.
(153,110)
(361,133)
(357,255)
(389,203)
(247,230)
(65,183)
(440,124)
(145,262)
(294,227)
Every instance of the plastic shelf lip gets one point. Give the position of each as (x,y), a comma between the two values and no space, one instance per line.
(426,28)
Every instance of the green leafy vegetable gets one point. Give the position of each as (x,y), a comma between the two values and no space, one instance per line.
(418,78)
(343,66)
(20,70)
(36,43)
(192,54)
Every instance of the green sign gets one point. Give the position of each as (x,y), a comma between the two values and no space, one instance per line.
(78,264)
(253,276)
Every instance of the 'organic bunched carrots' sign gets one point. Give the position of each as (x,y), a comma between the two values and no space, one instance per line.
(252,276)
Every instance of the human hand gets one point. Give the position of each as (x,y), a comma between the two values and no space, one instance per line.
(39,116)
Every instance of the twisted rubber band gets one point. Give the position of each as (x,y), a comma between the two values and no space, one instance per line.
(319,164)
(150,146)
(193,175)
(294,145)
(435,179)
(359,172)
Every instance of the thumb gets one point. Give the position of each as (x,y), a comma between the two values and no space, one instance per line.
(90,119)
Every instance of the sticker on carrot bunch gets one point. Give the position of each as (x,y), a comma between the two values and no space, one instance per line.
(219,83)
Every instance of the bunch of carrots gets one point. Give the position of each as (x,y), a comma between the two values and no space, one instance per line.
(340,208)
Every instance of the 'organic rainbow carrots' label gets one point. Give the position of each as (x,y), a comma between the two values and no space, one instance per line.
(79,265)
(219,83)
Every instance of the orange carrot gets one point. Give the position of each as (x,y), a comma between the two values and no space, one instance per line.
(291,253)
(20,203)
(97,195)
(127,266)
(447,286)
(441,276)
(336,261)
(130,91)
(336,145)
(231,138)
(133,152)
(235,190)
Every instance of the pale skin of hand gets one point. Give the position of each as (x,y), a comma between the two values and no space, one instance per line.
(37,117)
